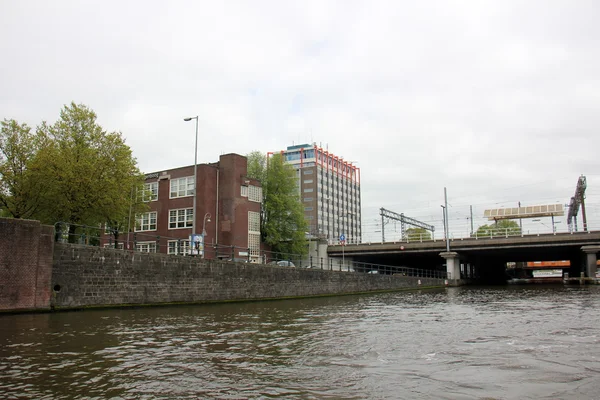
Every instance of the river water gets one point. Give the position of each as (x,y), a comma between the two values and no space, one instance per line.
(526,342)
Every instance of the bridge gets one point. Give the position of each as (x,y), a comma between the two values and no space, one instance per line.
(484,258)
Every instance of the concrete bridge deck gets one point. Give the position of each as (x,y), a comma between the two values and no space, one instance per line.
(577,247)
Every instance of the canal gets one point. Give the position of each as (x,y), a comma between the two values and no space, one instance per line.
(517,342)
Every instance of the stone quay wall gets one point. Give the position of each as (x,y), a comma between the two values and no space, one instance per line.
(37,274)
(26,250)
(90,276)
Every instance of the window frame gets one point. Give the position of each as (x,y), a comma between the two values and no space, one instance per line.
(149,187)
(151,245)
(187,191)
(186,222)
(140,223)
(173,249)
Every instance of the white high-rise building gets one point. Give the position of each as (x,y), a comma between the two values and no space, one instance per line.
(330,192)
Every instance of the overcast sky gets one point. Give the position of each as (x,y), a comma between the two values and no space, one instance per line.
(498,101)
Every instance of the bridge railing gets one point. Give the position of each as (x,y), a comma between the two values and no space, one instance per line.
(150,242)
(371,268)
(491,233)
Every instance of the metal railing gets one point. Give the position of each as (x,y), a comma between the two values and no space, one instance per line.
(496,233)
(151,243)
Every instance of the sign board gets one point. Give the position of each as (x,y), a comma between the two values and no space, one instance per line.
(342,238)
(197,245)
(547,210)
(243,254)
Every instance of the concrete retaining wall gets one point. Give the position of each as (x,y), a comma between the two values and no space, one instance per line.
(89,276)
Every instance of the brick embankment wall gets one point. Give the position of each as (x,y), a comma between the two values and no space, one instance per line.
(26,249)
(91,276)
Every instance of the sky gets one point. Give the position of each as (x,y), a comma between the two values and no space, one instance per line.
(496,101)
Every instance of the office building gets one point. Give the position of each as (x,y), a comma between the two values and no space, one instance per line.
(329,188)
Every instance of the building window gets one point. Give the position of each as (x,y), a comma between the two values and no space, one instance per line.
(254,233)
(182,187)
(146,247)
(120,246)
(146,222)
(308,208)
(254,244)
(308,172)
(109,230)
(255,193)
(308,199)
(308,181)
(253,221)
(178,247)
(308,190)
(181,218)
(150,192)
(244,191)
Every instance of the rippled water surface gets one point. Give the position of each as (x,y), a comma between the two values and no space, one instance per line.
(457,343)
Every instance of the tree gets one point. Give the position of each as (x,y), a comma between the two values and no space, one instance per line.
(20,191)
(124,218)
(500,228)
(90,173)
(418,234)
(257,166)
(283,226)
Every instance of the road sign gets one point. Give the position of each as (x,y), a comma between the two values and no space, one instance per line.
(342,238)
(196,244)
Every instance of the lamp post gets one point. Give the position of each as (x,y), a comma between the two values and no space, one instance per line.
(446,227)
(206,218)
(195,176)
(444,219)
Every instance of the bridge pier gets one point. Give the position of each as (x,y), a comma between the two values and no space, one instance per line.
(452,264)
(590,260)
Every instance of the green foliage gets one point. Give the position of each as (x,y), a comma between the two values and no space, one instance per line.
(500,228)
(20,191)
(283,226)
(75,172)
(257,166)
(418,234)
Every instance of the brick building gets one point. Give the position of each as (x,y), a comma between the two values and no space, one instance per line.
(228,210)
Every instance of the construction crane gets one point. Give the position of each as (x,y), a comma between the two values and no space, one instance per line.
(576,201)
(404,220)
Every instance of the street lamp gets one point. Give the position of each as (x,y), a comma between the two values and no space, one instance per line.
(195,176)
(445,222)
(444,219)
(446,227)
(206,218)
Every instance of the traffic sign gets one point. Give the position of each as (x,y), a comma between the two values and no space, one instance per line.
(342,238)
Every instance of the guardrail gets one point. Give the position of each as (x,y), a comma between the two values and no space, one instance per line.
(145,242)
(489,234)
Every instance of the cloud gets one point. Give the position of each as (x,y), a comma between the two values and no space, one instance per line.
(497,101)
